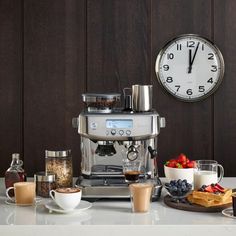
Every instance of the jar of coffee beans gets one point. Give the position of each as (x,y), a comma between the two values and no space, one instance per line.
(60,164)
(44,183)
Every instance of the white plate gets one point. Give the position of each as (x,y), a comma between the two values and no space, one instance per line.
(229,212)
(83,205)
(10,202)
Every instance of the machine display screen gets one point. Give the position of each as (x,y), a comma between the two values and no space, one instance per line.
(120,124)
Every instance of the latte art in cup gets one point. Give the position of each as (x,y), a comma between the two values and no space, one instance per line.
(68,190)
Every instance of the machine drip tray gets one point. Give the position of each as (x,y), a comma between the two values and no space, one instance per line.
(109,188)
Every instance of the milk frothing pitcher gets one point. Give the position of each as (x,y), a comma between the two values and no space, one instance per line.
(142,97)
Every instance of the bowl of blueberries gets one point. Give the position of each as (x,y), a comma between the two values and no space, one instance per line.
(178,189)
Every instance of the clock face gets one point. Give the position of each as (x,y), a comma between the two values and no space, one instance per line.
(190,67)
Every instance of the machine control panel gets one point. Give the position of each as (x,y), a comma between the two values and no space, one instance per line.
(119,126)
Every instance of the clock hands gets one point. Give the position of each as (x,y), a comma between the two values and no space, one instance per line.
(191,61)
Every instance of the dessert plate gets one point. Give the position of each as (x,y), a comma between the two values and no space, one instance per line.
(229,213)
(52,206)
(10,202)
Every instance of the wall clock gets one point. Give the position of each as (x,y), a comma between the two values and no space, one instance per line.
(190,67)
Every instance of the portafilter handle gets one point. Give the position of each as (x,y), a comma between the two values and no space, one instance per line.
(153,152)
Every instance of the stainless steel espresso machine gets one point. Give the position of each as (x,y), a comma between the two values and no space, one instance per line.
(110,136)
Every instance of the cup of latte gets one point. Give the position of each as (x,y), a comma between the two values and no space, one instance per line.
(24,193)
(66,198)
(140,194)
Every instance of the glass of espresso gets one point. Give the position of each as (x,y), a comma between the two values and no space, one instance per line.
(131,170)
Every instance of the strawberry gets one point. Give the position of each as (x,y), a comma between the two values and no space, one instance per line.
(217,187)
(172,163)
(191,164)
(209,189)
(181,158)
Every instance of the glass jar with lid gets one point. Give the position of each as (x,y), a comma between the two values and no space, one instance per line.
(60,163)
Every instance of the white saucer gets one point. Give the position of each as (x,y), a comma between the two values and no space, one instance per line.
(10,202)
(83,205)
(229,212)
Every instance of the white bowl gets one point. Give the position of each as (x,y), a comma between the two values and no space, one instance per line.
(179,173)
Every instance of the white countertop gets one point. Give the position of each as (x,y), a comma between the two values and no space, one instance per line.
(112,218)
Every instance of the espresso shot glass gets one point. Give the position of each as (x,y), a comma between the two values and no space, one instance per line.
(131,171)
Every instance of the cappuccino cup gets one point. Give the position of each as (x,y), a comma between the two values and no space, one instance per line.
(24,193)
(66,198)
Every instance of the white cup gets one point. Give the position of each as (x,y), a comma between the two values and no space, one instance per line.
(66,198)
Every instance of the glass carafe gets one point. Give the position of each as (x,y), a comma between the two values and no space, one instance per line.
(15,173)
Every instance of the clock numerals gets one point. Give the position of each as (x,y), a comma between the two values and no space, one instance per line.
(170,56)
(177,87)
(210,56)
(169,79)
(166,67)
(190,44)
(179,46)
(201,89)
(210,81)
(203,47)
(213,68)
(189,92)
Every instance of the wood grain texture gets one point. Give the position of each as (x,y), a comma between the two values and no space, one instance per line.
(189,125)
(54,78)
(118,44)
(225,99)
(11,78)
(53,51)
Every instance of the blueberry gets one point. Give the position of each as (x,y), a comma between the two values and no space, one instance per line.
(173,182)
(179,181)
(184,181)
(179,192)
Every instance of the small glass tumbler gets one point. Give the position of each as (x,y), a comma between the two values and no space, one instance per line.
(140,195)
(131,171)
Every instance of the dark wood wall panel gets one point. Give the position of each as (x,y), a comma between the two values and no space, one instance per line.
(11,74)
(118,44)
(53,51)
(189,126)
(54,79)
(225,98)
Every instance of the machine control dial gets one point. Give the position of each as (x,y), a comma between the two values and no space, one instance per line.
(128,132)
(121,132)
(113,131)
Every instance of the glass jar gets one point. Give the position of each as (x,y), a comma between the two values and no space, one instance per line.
(44,183)
(60,164)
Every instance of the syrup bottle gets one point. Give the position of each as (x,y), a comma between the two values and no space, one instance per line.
(15,173)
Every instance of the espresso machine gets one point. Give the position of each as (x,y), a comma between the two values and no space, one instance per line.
(111,135)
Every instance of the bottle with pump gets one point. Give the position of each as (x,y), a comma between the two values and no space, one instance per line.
(15,173)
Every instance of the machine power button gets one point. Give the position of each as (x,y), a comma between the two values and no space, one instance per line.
(128,132)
